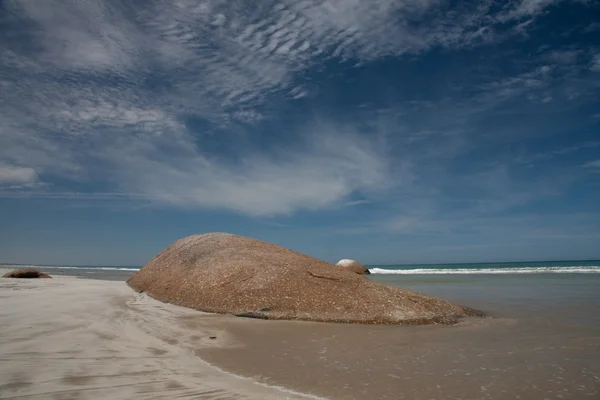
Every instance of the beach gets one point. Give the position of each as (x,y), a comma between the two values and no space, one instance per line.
(80,338)
(69,338)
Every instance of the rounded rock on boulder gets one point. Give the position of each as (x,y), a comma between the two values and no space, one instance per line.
(353,266)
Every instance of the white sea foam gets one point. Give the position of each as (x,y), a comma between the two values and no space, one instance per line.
(60,267)
(588,269)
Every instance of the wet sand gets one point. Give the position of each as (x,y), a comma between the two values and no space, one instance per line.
(89,273)
(476,359)
(542,343)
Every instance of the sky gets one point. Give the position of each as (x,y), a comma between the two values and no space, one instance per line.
(386,131)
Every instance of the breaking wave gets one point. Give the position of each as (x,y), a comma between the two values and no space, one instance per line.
(588,269)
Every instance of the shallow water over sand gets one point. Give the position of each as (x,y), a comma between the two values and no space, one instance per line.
(543,342)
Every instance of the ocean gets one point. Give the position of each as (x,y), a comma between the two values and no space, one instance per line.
(535,267)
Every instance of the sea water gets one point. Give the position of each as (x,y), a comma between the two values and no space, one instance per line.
(510,268)
(556,291)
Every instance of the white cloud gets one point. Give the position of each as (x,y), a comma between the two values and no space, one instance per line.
(594,26)
(595,66)
(231,54)
(525,9)
(547,99)
(564,57)
(497,91)
(592,164)
(318,173)
(81,34)
(103,92)
(17,177)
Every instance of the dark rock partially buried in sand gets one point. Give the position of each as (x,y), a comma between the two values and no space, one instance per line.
(223,273)
(26,273)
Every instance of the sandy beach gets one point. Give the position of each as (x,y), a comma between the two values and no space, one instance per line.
(74,338)
(69,338)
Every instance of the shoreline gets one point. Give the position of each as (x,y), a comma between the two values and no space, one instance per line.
(98,339)
(543,350)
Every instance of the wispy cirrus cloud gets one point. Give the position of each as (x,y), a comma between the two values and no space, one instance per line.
(595,64)
(330,167)
(592,164)
(325,168)
(134,96)
(516,10)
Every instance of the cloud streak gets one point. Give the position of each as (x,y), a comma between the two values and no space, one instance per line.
(17,177)
(329,167)
(135,98)
(592,164)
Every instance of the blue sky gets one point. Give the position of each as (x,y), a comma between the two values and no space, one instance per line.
(385,131)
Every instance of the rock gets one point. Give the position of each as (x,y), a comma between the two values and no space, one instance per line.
(223,273)
(353,266)
(26,273)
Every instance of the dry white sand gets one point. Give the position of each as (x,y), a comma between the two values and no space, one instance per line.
(68,338)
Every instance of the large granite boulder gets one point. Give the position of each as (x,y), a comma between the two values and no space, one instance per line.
(353,266)
(223,273)
(26,273)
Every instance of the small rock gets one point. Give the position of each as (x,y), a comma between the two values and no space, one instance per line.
(26,273)
(353,266)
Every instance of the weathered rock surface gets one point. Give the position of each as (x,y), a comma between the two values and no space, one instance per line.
(353,266)
(223,273)
(26,273)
